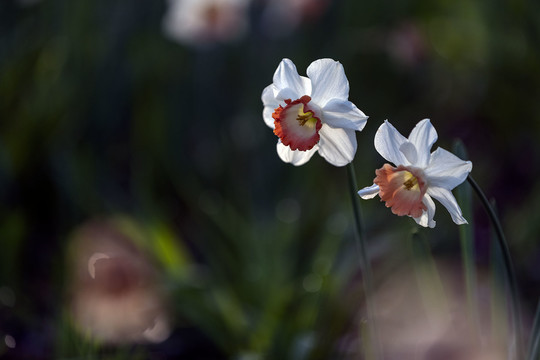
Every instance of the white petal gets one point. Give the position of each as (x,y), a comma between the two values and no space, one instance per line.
(423,136)
(388,141)
(448,200)
(369,192)
(344,114)
(328,81)
(267,116)
(288,83)
(288,93)
(270,104)
(268,96)
(427,216)
(337,146)
(295,157)
(306,85)
(409,150)
(446,170)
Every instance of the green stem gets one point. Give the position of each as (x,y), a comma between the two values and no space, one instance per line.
(509,268)
(467,255)
(464,197)
(365,266)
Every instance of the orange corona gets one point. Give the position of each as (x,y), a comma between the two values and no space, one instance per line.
(402,189)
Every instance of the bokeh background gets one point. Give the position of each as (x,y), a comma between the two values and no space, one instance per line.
(119,130)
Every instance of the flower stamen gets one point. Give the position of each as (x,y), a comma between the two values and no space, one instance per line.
(302,119)
(412,182)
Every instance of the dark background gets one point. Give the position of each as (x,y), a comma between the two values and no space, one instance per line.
(102,115)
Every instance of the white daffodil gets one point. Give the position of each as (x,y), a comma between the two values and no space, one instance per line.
(312,113)
(420,175)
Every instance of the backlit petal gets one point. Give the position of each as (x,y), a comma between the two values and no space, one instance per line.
(369,192)
(337,146)
(295,157)
(287,82)
(426,220)
(328,81)
(344,114)
(423,136)
(388,141)
(306,85)
(446,170)
(447,199)
(270,104)
(288,93)
(409,150)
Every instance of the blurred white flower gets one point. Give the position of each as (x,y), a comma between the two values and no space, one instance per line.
(203,22)
(116,296)
(312,113)
(420,175)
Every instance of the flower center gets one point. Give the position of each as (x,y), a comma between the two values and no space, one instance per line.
(402,189)
(296,124)
(412,182)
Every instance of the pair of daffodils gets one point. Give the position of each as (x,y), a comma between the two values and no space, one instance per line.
(313,114)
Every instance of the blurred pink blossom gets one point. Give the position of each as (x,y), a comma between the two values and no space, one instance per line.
(115,293)
(406,44)
(422,314)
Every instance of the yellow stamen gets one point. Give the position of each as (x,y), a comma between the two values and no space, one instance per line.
(411,181)
(305,117)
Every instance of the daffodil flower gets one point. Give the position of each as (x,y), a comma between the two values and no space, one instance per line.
(312,113)
(419,175)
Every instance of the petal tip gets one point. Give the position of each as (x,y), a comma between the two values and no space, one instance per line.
(369,192)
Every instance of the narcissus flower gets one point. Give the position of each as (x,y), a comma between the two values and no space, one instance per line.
(419,175)
(312,113)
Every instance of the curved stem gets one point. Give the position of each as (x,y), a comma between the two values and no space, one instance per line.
(464,197)
(508,265)
(365,266)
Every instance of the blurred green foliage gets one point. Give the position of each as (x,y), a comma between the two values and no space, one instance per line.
(101,115)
